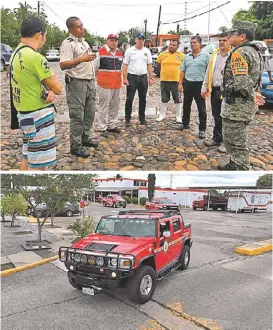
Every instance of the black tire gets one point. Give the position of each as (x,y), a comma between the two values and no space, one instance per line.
(215,208)
(39,214)
(205,208)
(224,208)
(104,204)
(185,258)
(194,208)
(114,205)
(76,286)
(124,206)
(69,213)
(133,284)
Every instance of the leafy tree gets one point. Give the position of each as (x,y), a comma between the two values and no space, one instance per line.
(52,189)
(151,186)
(181,32)
(82,228)
(143,200)
(260,12)
(223,29)
(265,181)
(214,192)
(128,199)
(13,203)
(134,200)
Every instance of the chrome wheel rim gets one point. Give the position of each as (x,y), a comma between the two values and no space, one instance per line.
(146,285)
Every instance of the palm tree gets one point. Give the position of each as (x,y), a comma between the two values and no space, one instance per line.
(151,186)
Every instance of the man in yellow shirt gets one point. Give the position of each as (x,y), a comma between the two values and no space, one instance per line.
(170,62)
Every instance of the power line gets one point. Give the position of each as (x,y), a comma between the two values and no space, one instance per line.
(54,12)
(194,11)
(225,17)
(126,5)
(208,11)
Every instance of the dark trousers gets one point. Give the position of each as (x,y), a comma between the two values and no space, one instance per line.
(192,90)
(216,103)
(140,84)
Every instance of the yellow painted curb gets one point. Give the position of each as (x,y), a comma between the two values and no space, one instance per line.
(12,271)
(255,248)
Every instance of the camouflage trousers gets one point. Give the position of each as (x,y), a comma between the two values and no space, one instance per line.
(81,101)
(235,140)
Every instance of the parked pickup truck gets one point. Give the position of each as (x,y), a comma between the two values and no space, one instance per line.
(114,201)
(161,204)
(131,249)
(214,203)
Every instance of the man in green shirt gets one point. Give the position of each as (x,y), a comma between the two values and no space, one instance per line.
(33,89)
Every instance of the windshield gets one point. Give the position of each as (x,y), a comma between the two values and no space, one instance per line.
(131,227)
(166,201)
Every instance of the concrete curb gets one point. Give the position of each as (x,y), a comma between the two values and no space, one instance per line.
(12,271)
(255,248)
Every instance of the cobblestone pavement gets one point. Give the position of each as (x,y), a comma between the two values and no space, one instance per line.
(158,146)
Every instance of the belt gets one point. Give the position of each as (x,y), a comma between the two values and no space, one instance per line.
(73,78)
(216,87)
(138,75)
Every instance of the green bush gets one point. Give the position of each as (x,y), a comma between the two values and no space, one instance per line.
(128,199)
(82,227)
(134,200)
(143,200)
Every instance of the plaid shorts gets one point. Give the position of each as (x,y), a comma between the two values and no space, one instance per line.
(39,139)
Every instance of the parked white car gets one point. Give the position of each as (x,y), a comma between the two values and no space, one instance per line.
(52,55)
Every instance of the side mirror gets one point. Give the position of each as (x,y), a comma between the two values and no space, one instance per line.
(166,234)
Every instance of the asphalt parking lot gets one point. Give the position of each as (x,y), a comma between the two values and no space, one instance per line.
(221,289)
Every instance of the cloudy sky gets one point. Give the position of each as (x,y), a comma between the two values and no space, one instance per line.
(105,16)
(196,179)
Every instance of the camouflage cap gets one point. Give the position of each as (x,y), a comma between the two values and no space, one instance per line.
(243,25)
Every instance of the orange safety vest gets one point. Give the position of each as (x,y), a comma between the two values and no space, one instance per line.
(109,71)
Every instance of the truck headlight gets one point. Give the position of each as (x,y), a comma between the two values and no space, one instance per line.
(63,255)
(124,263)
(84,259)
(112,262)
(100,261)
(77,257)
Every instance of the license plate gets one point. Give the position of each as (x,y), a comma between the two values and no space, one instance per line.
(89,291)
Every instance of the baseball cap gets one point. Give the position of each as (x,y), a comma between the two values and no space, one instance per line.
(112,35)
(140,35)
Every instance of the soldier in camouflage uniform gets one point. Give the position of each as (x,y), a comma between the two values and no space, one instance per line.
(242,76)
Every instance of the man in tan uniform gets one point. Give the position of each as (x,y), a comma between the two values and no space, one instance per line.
(76,59)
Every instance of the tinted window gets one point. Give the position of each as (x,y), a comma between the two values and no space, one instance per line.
(176,225)
(166,201)
(164,226)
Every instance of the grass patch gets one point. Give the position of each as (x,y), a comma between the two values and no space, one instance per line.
(7,266)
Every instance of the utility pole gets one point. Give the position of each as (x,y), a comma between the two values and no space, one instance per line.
(158,25)
(177,28)
(38,8)
(185,13)
(208,22)
(145,33)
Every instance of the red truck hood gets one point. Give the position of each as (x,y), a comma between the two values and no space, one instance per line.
(125,245)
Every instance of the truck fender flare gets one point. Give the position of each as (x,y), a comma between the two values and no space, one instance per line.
(185,240)
(145,258)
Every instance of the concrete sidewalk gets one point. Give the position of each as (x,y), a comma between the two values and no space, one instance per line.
(12,251)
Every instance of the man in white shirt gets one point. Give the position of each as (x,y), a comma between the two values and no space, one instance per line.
(136,64)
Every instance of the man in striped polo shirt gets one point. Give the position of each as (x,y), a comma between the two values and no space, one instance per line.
(33,89)
(108,64)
